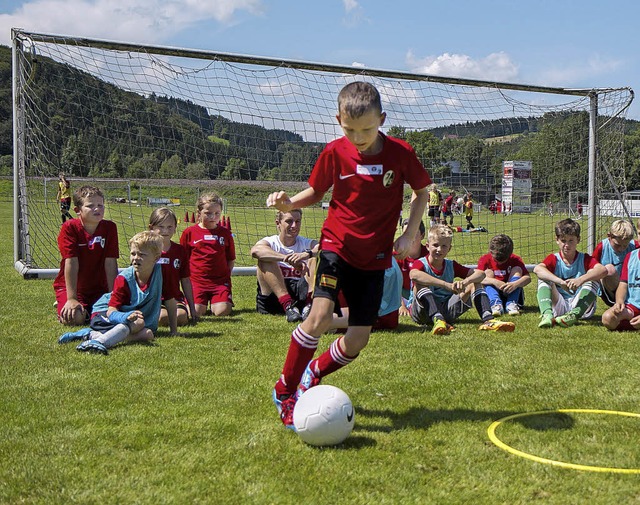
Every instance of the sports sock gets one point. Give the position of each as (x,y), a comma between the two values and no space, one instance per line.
(544,298)
(331,360)
(114,336)
(625,325)
(482,304)
(426,300)
(586,297)
(301,349)
(285,301)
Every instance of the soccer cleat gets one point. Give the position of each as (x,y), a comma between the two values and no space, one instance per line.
(441,327)
(496,310)
(285,405)
(513,309)
(496,325)
(546,321)
(293,314)
(308,380)
(305,311)
(566,320)
(92,346)
(72,336)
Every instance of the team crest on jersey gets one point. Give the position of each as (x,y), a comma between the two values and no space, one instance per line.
(99,240)
(176,263)
(388,179)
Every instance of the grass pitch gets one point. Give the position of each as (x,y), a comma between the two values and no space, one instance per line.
(190,420)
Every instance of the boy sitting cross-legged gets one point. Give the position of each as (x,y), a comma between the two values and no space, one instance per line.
(439,299)
(132,309)
(567,280)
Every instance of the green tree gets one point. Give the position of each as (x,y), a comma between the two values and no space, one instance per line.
(196,170)
(145,167)
(234,170)
(171,168)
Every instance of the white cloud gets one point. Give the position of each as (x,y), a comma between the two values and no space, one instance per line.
(494,67)
(350,5)
(578,74)
(148,21)
(354,13)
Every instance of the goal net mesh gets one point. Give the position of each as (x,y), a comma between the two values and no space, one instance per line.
(160,126)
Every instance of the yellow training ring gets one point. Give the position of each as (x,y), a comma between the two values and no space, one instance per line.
(491,431)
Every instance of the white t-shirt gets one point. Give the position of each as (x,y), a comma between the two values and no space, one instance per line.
(301,245)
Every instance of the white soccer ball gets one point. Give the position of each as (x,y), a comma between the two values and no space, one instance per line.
(323,415)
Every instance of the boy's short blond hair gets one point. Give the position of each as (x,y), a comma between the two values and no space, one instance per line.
(357,98)
(147,241)
(84,192)
(439,231)
(622,229)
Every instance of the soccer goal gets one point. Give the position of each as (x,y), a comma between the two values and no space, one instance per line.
(158,125)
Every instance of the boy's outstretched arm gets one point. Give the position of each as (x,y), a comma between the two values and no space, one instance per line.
(281,201)
(419,201)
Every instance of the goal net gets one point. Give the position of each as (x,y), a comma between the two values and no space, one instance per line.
(159,126)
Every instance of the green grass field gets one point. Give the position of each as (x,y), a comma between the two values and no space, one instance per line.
(190,420)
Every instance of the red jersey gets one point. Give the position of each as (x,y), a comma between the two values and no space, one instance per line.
(502,271)
(175,266)
(448,204)
(407,263)
(209,252)
(91,251)
(367,198)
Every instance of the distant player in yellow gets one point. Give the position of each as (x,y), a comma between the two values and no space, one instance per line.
(64,197)
(435,200)
(468,210)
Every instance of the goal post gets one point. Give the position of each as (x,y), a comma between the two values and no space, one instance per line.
(153,124)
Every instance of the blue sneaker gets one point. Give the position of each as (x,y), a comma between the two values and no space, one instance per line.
(285,405)
(72,336)
(92,346)
(308,380)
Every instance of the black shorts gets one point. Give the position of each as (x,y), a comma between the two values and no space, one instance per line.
(297,288)
(100,322)
(433,211)
(65,205)
(362,289)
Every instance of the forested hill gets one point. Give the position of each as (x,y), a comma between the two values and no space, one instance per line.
(136,136)
(128,127)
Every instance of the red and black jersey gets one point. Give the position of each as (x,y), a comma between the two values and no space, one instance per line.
(367,198)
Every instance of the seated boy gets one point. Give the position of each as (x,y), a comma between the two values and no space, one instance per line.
(611,253)
(89,248)
(625,313)
(567,280)
(416,250)
(131,310)
(505,276)
(438,298)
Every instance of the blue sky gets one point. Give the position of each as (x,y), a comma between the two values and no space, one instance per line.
(563,43)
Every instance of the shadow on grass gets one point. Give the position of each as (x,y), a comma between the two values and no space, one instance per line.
(422,418)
